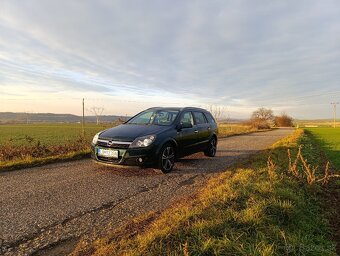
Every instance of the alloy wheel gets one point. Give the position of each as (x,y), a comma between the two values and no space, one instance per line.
(168,158)
(212,147)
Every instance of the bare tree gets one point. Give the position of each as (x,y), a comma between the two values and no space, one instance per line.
(262,118)
(218,111)
(97,111)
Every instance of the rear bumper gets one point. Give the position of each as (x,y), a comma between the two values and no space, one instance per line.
(128,157)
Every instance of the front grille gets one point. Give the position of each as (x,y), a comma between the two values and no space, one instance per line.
(113,144)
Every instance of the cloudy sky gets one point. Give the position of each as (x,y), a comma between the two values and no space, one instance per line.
(128,55)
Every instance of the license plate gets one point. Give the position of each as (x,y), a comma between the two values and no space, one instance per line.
(108,153)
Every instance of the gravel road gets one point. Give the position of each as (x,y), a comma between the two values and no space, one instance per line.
(45,210)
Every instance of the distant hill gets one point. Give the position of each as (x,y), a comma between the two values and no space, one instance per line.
(12,117)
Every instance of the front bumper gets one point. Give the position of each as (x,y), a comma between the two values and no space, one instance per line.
(128,157)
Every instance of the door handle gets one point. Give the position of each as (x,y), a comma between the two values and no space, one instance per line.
(196,131)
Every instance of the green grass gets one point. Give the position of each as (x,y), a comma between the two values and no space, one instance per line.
(25,145)
(47,134)
(250,209)
(329,139)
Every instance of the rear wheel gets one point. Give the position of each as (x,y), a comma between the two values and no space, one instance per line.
(166,158)
(212,148)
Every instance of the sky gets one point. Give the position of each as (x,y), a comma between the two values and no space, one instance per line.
(129,55)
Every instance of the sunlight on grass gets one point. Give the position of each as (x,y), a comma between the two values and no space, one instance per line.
(329,139)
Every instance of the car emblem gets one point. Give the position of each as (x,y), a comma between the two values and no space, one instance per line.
(109,143)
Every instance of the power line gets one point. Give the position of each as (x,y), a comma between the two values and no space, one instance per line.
(334,111)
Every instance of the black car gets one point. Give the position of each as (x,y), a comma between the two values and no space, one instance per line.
(156,137)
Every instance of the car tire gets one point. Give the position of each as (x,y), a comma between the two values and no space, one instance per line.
(212,148)
(166,158)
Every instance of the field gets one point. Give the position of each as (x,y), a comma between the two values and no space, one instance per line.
(47,134)
(316,123)
(329,139)
(23,145)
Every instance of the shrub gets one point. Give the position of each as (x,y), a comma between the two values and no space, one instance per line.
(283,121)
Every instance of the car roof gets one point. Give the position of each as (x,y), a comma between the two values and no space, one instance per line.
(179,108)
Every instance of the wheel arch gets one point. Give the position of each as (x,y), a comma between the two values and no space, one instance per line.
(172,141)
(214,136)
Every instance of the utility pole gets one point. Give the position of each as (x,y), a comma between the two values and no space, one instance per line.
(83,120)
(334,111)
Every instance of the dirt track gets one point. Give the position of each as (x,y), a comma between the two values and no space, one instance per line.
(55,205)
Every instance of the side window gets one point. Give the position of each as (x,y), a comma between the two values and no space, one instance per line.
(210,118)
(200,118)
(187,118)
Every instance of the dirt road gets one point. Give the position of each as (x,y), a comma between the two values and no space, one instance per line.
(55,205)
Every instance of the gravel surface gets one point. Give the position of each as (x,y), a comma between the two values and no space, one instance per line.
(52,206)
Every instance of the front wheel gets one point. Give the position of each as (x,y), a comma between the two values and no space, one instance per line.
(166,159)
(212,147)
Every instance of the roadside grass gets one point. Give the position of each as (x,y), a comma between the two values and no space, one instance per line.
(256,207)
(225,130)
(329,139)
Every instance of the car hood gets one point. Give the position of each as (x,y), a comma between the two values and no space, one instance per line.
(129,132)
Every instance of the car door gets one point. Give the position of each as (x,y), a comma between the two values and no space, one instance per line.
(203,128)
(187,137)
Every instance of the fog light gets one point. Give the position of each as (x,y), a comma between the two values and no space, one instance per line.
(140,160)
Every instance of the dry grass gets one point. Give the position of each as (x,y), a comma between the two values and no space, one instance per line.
(308,171)
(35,153)
(225,130)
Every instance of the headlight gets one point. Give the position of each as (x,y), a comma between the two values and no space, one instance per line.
(95,138)
(143,142)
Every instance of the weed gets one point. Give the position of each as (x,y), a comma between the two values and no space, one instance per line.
(309,170)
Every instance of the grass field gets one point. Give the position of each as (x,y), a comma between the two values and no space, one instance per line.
(255,208)
(329,139)
(47,134)
(24,145)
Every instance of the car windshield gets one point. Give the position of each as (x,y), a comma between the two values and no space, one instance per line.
(157,117)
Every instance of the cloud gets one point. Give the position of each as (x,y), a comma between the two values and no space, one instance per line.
(242,54)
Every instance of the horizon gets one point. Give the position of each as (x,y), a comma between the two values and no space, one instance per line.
(122,115)
(126,57)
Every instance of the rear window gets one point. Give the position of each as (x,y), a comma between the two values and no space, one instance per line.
(200,118)
(210,118)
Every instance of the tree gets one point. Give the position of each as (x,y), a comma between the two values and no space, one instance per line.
(218,112)
(262,118)
(283,121)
